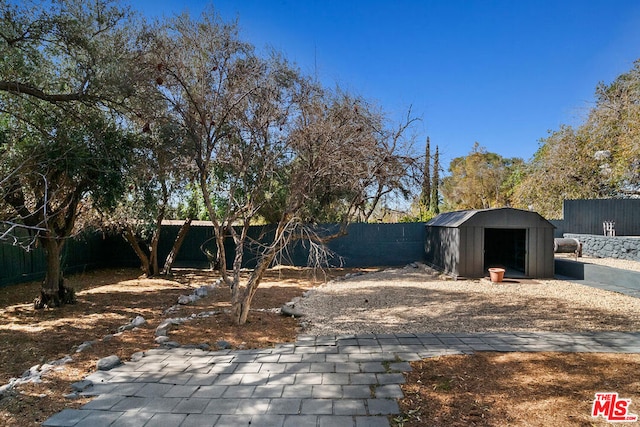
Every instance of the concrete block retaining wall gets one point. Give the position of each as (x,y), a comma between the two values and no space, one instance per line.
(608,247)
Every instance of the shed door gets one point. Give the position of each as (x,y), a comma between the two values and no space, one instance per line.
(505,247)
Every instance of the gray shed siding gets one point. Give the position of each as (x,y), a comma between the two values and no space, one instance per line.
(456,242)
(441,248)
(472,254)
(540,257)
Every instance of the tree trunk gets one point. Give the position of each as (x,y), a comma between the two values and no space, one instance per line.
(53,292)
(53,279)
(241,305)
(182,233)
(144,259)
(154,268)
(221,257)
(220,230)
(425,197)
(154,263)
(242,297)
(435,195)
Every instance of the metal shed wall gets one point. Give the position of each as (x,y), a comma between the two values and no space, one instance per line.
(441,247)
(456,243)
(472,253)
(540,257)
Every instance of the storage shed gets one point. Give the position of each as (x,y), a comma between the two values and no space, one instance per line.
(468,243)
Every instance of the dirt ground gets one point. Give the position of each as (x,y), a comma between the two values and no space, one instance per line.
(481,389)
(108,299)
(516,389)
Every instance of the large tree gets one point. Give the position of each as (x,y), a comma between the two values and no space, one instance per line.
(269,143)
(55,173)
(477,181)
(564,167)
(434,200)
(424,202)
(597,159)
(67,78)
(161,173)
(336,161)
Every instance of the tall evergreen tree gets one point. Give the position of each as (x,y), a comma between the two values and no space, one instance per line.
(435,195)
(425,196)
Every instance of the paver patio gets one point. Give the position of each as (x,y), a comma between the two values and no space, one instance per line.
(318,381)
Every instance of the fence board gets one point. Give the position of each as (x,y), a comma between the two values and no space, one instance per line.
(587,216)
(365,245)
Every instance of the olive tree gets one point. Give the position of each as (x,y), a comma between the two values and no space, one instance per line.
(55,174)
(67,84)
(270,143)
(159,177)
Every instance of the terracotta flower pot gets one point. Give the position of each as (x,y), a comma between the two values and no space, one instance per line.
(496,274)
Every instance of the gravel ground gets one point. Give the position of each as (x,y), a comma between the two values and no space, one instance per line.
(419,300)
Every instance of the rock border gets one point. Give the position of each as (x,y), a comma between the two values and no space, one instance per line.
(37,372)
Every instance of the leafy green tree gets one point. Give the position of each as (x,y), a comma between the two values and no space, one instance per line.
(597,159)
(67,78)
(424,201)
(160,175)
(67,51)
(434,200)
(425,195)
(55,173)
(477,181)
(613,128)
(427,205)
(564,167)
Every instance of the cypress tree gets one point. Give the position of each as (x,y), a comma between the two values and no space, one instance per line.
(435,196)
(425,196)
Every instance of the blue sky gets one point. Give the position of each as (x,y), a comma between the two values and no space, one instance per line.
(501,73)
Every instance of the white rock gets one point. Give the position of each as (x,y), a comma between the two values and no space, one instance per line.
(63,361)
(81,385)
(5,389)
(126,327)
(171,344)
(138,321)
(136,357)
(85,345)
(202,291)
(184,300)
(108,363)
(46,368)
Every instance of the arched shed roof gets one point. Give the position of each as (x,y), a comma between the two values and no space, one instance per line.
(495,217)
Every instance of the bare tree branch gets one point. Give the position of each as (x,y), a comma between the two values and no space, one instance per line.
(18,88)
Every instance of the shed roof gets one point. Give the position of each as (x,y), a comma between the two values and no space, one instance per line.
(476,216)
(452,219)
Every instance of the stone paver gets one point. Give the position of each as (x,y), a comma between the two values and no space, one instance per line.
(318,381)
